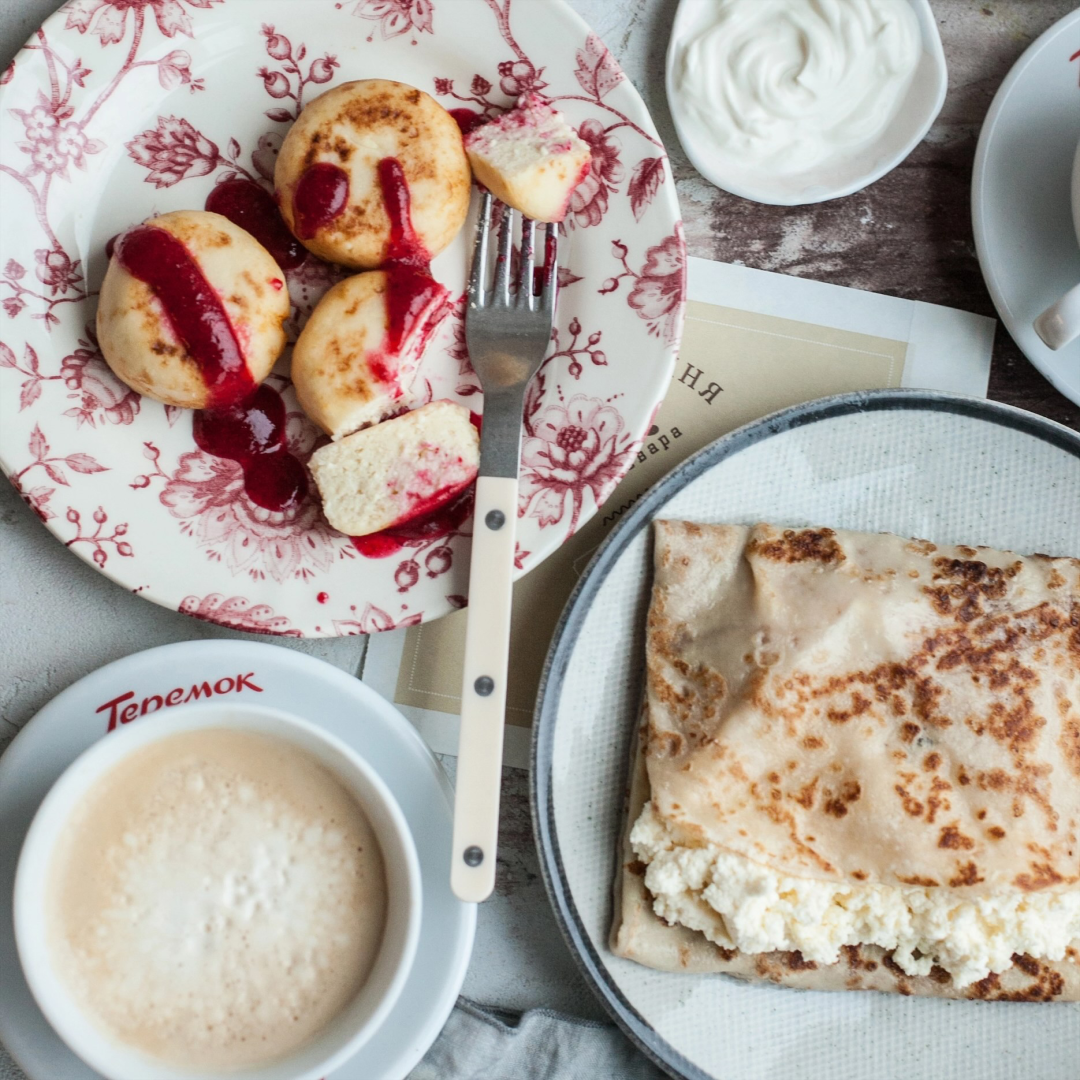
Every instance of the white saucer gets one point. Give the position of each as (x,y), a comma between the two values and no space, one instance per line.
(299,684)
(1020,203)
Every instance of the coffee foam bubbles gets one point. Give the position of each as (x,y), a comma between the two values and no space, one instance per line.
(218,899)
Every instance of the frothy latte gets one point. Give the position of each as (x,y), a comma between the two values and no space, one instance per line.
(218,898)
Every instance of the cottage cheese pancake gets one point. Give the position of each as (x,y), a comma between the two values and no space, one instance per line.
(736,902)
(347,371)
(858,765)
(192,310)
(218,899)
(397,471)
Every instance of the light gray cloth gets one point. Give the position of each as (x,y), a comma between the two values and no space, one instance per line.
(482,1043)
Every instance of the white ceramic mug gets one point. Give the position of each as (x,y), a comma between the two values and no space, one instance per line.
(1060,322)
(351,1028)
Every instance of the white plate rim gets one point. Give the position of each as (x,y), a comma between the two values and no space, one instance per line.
(416,1036)
(541,789)
(1024,335)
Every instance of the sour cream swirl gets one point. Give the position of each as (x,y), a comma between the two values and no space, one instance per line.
(788,86)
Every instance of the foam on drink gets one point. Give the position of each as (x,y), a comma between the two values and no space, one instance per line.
(219,897)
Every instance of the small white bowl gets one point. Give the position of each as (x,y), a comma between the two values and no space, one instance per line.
(908,128)
(358,1021)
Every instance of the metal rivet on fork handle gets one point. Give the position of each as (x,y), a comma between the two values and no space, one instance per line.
(473,856)
(495,519)
(484,685)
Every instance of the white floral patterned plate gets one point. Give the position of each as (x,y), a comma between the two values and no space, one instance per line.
(119,109)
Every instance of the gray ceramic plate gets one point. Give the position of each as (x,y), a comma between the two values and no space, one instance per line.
(918,463)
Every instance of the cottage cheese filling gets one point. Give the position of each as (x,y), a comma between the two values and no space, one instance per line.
(738,903)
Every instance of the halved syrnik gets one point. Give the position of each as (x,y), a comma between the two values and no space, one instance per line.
(858,767)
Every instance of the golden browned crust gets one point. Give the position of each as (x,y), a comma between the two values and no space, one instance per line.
(139,344)
(639,934)
(354,126)
(808,690)
(891,680)
(331,376)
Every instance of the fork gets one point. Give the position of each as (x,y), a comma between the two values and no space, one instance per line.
(507,333)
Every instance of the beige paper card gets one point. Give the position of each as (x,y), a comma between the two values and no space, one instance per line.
(734,367)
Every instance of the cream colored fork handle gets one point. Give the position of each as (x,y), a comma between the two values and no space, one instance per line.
(483,689)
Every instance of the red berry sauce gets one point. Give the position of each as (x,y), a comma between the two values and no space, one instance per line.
(467,120)
(275,480)
(252,433)
(192,308)
(320,196)
(410,292)
(410,289)
(439,515)
(431,524)
(244,422)
(252,207)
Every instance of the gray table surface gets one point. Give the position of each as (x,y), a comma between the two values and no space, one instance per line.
(909,234)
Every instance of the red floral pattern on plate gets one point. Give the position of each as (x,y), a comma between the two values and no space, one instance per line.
(589,202)
(279,82)
(658,294)
(174,151)
(207,494)
(238,613)
(136,497)
(397,17)
(374,620)
(573,449)
(38,497)
(108,18)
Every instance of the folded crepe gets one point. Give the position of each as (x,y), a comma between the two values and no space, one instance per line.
(858,766)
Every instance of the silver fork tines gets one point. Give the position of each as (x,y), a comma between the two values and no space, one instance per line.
(551,271)
(503,294)
(478,271)
(501,291)
(507,331)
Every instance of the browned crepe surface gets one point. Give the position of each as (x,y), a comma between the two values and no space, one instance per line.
(908,703)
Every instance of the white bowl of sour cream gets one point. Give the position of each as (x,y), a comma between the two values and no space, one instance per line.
(798,101)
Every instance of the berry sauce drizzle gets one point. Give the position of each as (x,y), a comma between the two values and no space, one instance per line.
(418,530)
(410,288)
(243,422)
(192,308)
(467,120)
(411,292)
(321,194)
(252,433)
(252,207)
